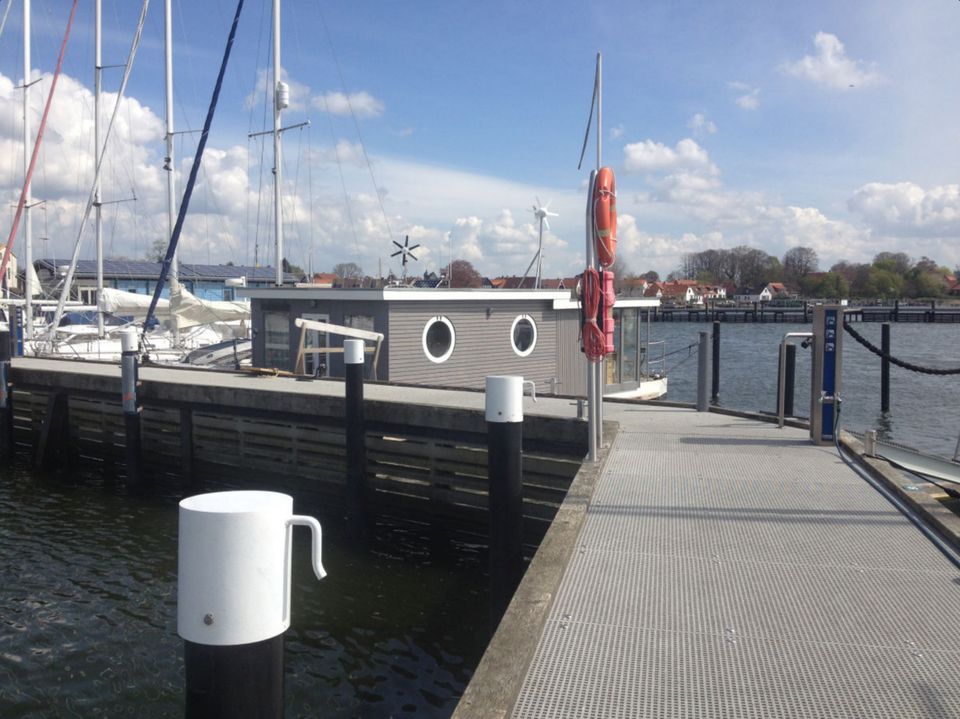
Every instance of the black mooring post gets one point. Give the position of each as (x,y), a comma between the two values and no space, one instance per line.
(504,414)
(715,394)
(790,373)
(885,367)
(6,398)
(234,681)
(355,437)
(131,410)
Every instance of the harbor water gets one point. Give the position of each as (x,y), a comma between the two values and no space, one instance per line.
(924,409)
(88,596)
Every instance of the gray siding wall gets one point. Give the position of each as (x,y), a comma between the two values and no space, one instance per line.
(573,363)
(482,347)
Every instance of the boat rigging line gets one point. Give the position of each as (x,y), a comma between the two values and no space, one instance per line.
(890,358)
(194,169)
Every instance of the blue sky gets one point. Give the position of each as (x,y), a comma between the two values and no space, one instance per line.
(772,124)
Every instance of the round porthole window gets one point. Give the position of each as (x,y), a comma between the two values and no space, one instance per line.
(438,339)
(523,335)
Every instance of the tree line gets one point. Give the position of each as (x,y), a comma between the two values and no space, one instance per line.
(890,275)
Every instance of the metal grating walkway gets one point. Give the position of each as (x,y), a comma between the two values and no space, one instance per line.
(730,569)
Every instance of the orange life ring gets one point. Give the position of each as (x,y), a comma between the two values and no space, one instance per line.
(605,216)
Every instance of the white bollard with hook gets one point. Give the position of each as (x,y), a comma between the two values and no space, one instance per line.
(233,598)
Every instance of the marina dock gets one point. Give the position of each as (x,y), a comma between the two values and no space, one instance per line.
(720,567)
(711,565)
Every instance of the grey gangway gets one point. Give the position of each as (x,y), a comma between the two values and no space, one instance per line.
(728,568)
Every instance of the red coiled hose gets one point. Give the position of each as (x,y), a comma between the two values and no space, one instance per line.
(594,344)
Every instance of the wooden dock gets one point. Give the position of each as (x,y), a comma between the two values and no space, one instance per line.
(721,567)
(203,430)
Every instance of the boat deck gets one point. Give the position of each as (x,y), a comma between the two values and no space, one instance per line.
(727,568)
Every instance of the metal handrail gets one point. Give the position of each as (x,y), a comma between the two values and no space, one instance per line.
(661,361)
(782,376)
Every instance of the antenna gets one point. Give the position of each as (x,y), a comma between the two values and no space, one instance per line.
(541,212)
(405,251)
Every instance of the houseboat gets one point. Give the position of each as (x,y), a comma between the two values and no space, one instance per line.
(451,337)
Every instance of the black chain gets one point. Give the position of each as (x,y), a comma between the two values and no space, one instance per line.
(899,362)
(682,349)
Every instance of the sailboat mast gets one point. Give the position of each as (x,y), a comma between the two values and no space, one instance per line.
(97,201)
(171,174)
(277,161)
(27,220)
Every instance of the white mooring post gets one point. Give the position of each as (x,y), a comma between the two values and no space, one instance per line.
(233,600)
(504,415)
(129,376)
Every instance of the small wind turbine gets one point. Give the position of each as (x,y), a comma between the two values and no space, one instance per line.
(541,212)
(405,251)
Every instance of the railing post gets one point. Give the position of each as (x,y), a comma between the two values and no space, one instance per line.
(715,394)
(233,600)
(355,437)
(504,415)
(703,362)
(885,367)
(129,376)
(6,398)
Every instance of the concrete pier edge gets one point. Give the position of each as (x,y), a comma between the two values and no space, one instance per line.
(495,685)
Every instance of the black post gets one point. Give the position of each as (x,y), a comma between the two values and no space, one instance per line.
(6,398)
(715,398)
(896,310)
(789,380)
(223,682)
(129,375)
(885,367)
(504,414)
(356,438)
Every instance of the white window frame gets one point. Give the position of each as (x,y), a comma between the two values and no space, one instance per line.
(533,345)
(453,339)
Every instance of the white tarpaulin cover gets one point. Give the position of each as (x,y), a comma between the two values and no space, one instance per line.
(191,311)
(130,304)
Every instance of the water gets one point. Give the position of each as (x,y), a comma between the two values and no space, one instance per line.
(924,409)
(88,597)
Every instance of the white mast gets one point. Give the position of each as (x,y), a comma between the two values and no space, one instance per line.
(168,162)
(97,200)
(279,102)
(27,221)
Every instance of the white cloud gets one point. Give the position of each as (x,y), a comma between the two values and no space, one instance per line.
(749,98)
(831,67)
(701,126)
(362,103)
(905,209)
(617,131)
(650,156)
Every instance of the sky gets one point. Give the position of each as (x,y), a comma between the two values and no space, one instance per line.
(771,124)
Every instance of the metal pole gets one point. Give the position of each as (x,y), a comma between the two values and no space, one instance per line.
(168,160)
(6,404)
(885,367)
(129,371)
(600,366)
(355,437)
(703,368)
(97,199)
(27,215)
(277,159)
(591,255)
(233,600)
(504,415)
(715,394)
